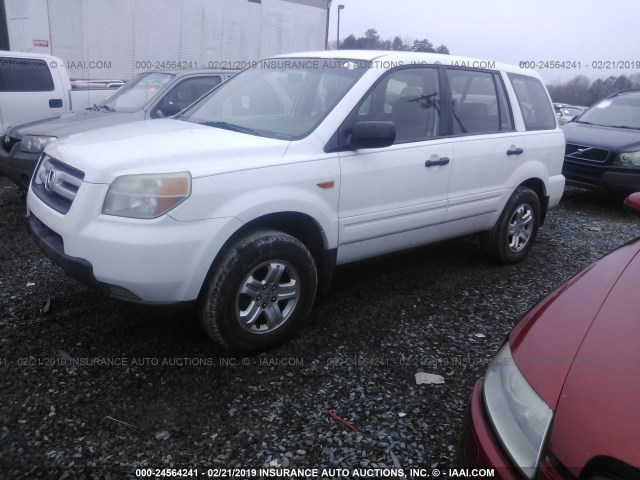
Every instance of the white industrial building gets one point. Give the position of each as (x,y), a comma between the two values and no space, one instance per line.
(118,38)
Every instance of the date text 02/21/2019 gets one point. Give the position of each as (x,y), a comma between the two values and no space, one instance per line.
(230,473)
(577,64)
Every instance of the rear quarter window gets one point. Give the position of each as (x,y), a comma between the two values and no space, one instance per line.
(479,102)
(534,102)
(25,75)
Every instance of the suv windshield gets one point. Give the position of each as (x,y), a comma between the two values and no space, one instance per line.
(135,94)
(282,98)
(622,111)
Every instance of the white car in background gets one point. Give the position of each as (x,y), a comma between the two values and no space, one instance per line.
(247,201)
(566,113)
(34,86)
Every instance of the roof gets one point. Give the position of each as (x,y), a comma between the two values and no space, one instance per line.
(389,58)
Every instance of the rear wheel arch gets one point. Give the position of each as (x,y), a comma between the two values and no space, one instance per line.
(538,186)
(512,236)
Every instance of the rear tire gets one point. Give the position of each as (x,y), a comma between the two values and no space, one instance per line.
(260,292)
(511,238)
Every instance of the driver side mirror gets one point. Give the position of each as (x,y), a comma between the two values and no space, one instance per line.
(373,134)
(169,109)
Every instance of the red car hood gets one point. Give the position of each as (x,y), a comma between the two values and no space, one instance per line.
(581,354)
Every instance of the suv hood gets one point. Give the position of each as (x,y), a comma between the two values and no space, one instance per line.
(608,138)
(69,124)
(163,146)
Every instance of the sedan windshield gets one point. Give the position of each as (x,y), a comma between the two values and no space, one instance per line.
(282,98)
(135,94)
(622,111)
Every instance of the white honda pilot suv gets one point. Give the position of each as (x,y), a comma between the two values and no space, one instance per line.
(246,201)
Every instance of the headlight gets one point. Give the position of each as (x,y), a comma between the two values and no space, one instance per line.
(146,196)
(630,159)
(520,418)
(35,143)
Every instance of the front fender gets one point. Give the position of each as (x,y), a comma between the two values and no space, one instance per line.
(250,194)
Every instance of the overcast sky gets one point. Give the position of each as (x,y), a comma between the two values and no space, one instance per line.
(508,31)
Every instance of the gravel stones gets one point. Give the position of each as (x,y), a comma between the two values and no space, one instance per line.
(67,372)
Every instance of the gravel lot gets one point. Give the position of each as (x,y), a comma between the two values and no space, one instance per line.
(92,387)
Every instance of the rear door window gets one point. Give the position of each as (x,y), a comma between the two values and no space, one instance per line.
(534,102)
(25,75)
(479,102)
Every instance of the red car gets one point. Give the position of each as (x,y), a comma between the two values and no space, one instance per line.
(561,398)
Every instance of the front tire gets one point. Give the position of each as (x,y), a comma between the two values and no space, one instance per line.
(511,238)
(259,293)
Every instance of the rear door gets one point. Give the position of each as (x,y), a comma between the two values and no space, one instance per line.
(28,91)
(486,149)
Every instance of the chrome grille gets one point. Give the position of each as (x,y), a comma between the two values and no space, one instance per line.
(56,184)
(590,154)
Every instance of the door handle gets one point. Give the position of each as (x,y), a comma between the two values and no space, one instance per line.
(435,163)
(515,151)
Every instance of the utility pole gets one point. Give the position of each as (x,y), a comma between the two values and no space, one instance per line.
(340,7)
(326,35)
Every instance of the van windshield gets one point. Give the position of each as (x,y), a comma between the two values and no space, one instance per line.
(137,92)
(284,98)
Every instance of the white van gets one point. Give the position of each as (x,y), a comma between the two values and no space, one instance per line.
(246,201)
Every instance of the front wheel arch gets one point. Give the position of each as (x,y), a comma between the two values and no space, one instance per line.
(300,226)
(259,292)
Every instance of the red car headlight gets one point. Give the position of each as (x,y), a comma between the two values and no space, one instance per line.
(520,418)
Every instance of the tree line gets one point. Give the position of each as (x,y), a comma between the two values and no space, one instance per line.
(372,41)
(582,91)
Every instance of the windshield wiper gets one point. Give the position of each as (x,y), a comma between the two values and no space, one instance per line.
(627,126)
(231,126)
(96,108)
(107,108)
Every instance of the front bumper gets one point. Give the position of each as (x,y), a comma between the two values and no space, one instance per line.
(601,175)
(480,449)
(17,165)
(77,268)
(158,261)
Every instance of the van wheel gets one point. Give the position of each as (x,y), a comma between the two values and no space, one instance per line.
(260,292)
(512,236)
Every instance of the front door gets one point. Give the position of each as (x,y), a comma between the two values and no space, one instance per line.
(396,197)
